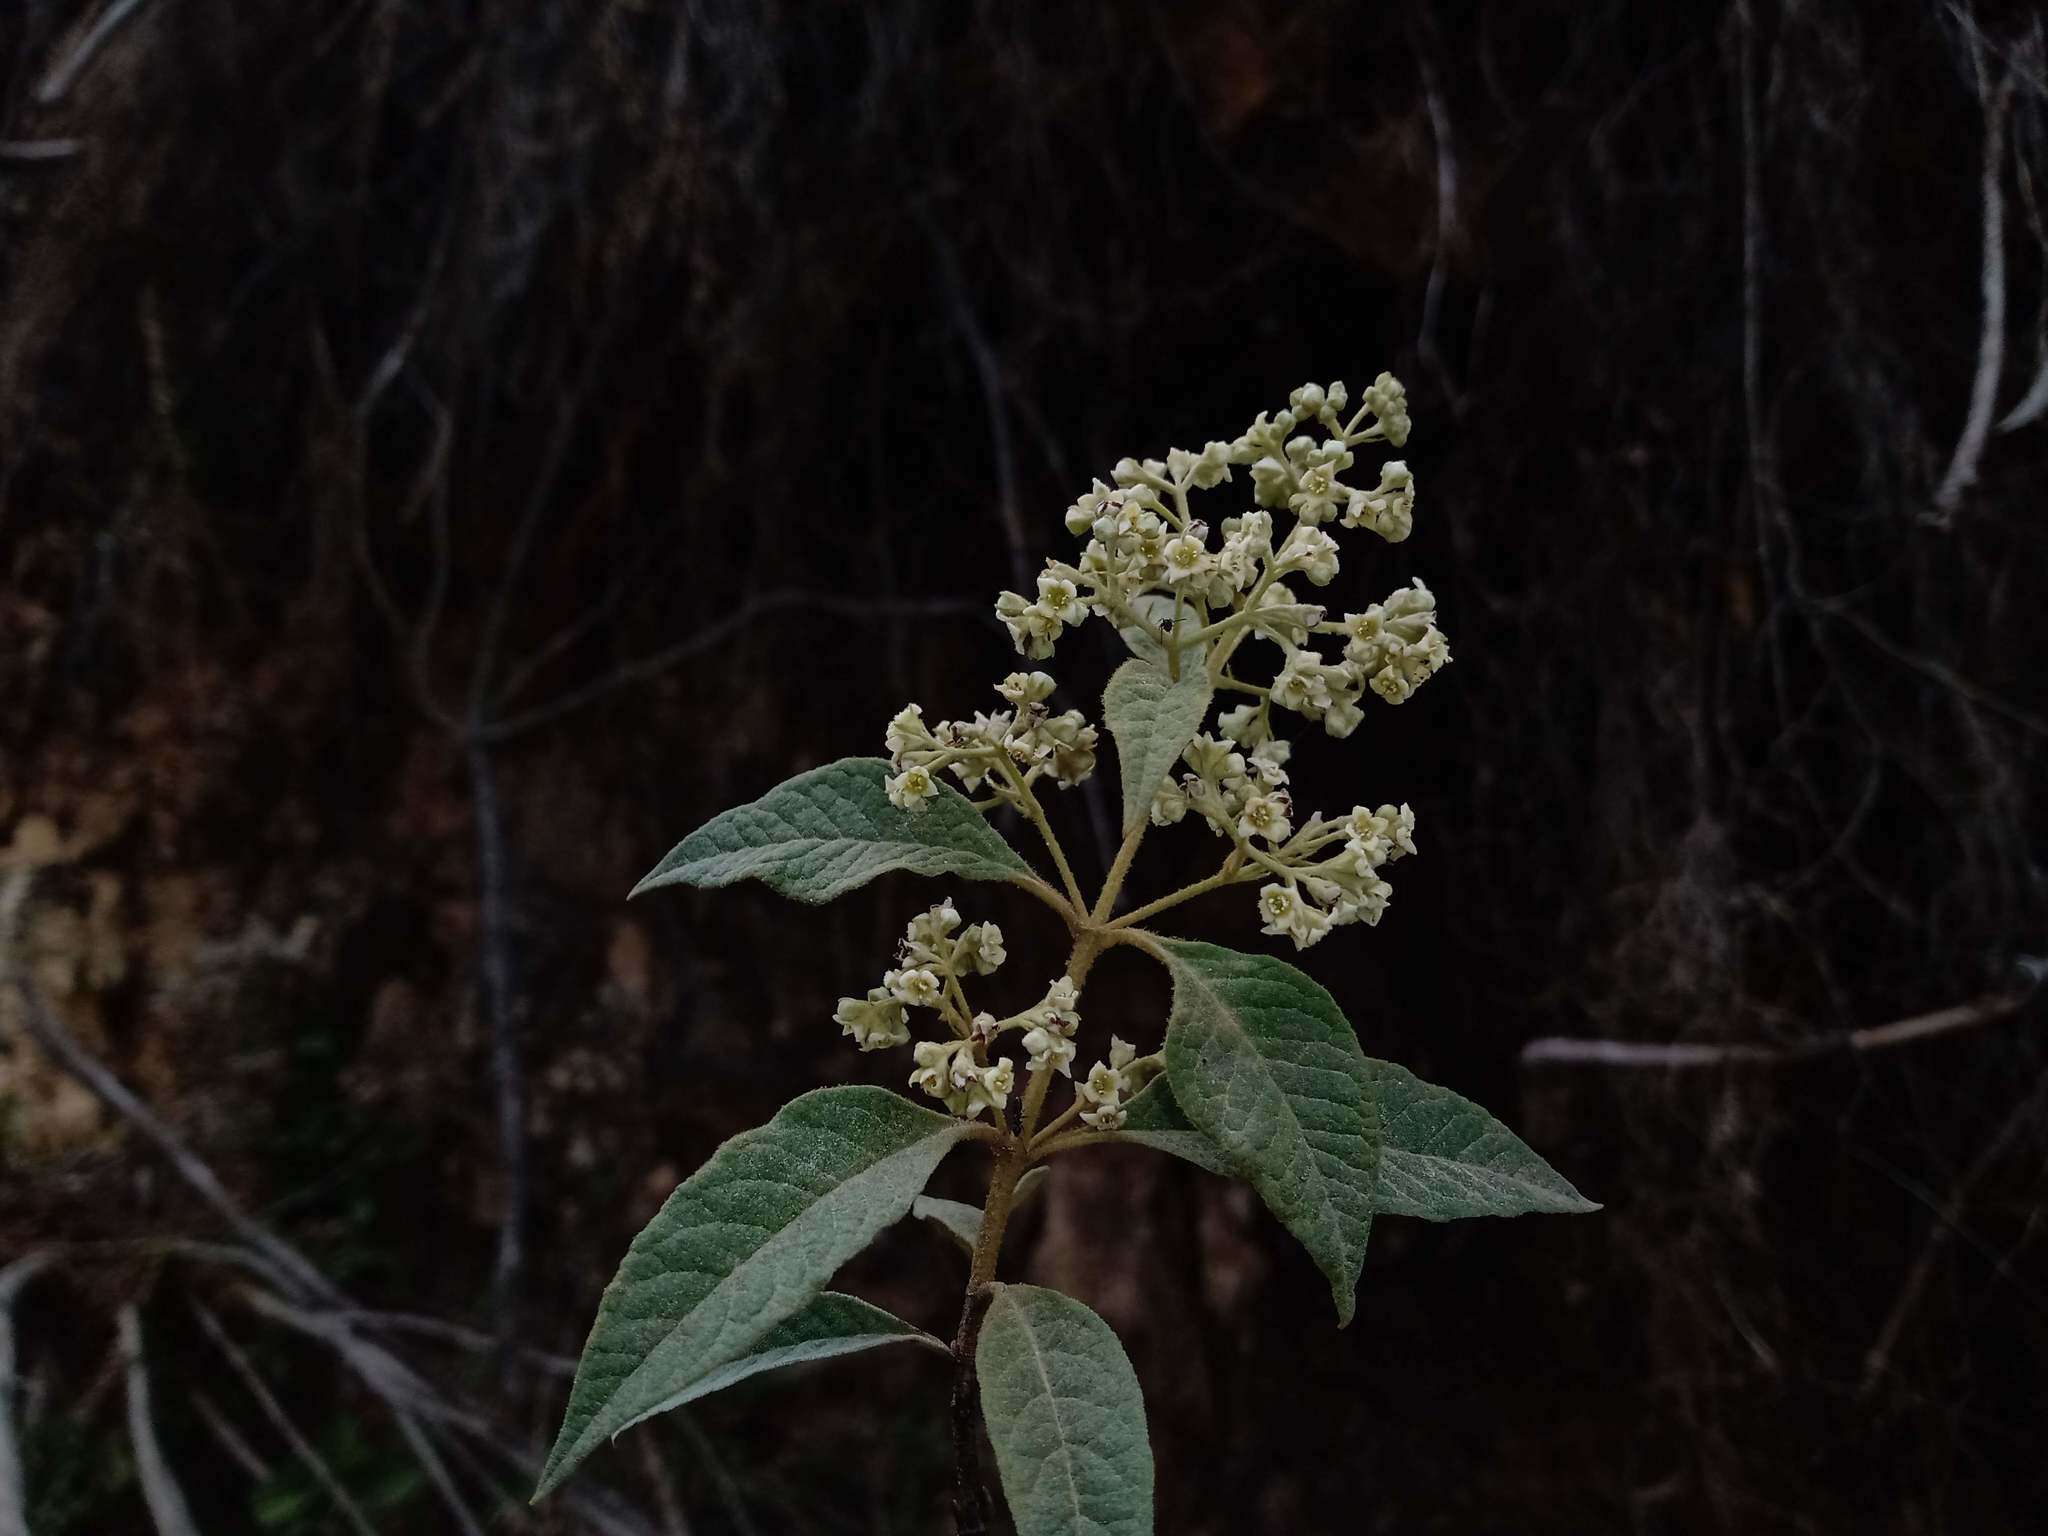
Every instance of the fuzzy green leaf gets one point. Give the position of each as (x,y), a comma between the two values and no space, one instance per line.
(1152,615)
(1264,1063)
(830,1326)
(1155,1119)
(823,833)
(745,1243)
(1443,1157)
(1446,1158)
(1153,718)
(1065,1416)
(962,1222)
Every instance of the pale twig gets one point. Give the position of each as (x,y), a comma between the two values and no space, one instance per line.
(168,1511)
(58,82)
(1638,1053)
(405,1396)
(240,1451)
(1962,467)
(500,1008)
(13,1493)
(58,1042)
(273,1410)
(39,149)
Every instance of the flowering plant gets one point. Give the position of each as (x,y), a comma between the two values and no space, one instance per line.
(1259,1075)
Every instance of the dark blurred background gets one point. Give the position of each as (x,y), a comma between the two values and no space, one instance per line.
(448,450)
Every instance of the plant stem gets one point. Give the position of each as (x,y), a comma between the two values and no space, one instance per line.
(1113,882)
(1036,813)
(970,1494)
(1217,881)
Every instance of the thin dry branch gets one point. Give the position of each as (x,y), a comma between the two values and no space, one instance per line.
(58,1042)
(168,1511)
(1969,452)
(273,1410)
(1637,1053)
(64,74)
(240,1451)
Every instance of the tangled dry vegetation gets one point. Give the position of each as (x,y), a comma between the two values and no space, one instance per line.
(376,379)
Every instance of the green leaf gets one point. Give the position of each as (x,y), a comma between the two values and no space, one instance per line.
(1264,1063)
(1443,1157)
(1153,719)
(744,1244)
(825,832)
(1154,613)
(1155,1119)
(1446,1158)
(1065,1416)
(830,1326)
(963,1222)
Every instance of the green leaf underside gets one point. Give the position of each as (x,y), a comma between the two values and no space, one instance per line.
(1156,610)
(744,1244)
(826,832)
(1065,1416)
(830,1326)
(1264,1063)
(962,1222)
(1445,1158)
(1153,718)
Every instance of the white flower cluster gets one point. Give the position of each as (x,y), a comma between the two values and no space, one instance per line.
(1143,542)
(1013,746)
(1242,795)
(950,1071)
(1329,873)
(936,952)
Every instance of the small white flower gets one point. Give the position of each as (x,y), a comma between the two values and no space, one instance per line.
(1369,905)
(1286,913)
(1062,597)
(916,987)
(1388,511)
(1265,816)
(991,1088)
(1311,552)
(1102,1092)
(873,1022)
(1244,725)
(1121,1054)
(1342,718)
(1048,1048)
(907,731)
(1169,804)
(980,950)
(1062,997)
(1033,627)
(1213,759)
(1022,688)
(1186,557)
(911,789)
(1301,685)
(1388,402)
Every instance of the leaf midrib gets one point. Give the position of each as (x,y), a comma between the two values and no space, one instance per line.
(780,1240)
(1053,1401)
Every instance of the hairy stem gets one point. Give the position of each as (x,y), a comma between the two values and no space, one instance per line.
(970,1493)
(1036,813)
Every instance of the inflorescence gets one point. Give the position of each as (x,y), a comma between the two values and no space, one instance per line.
(1173,590)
